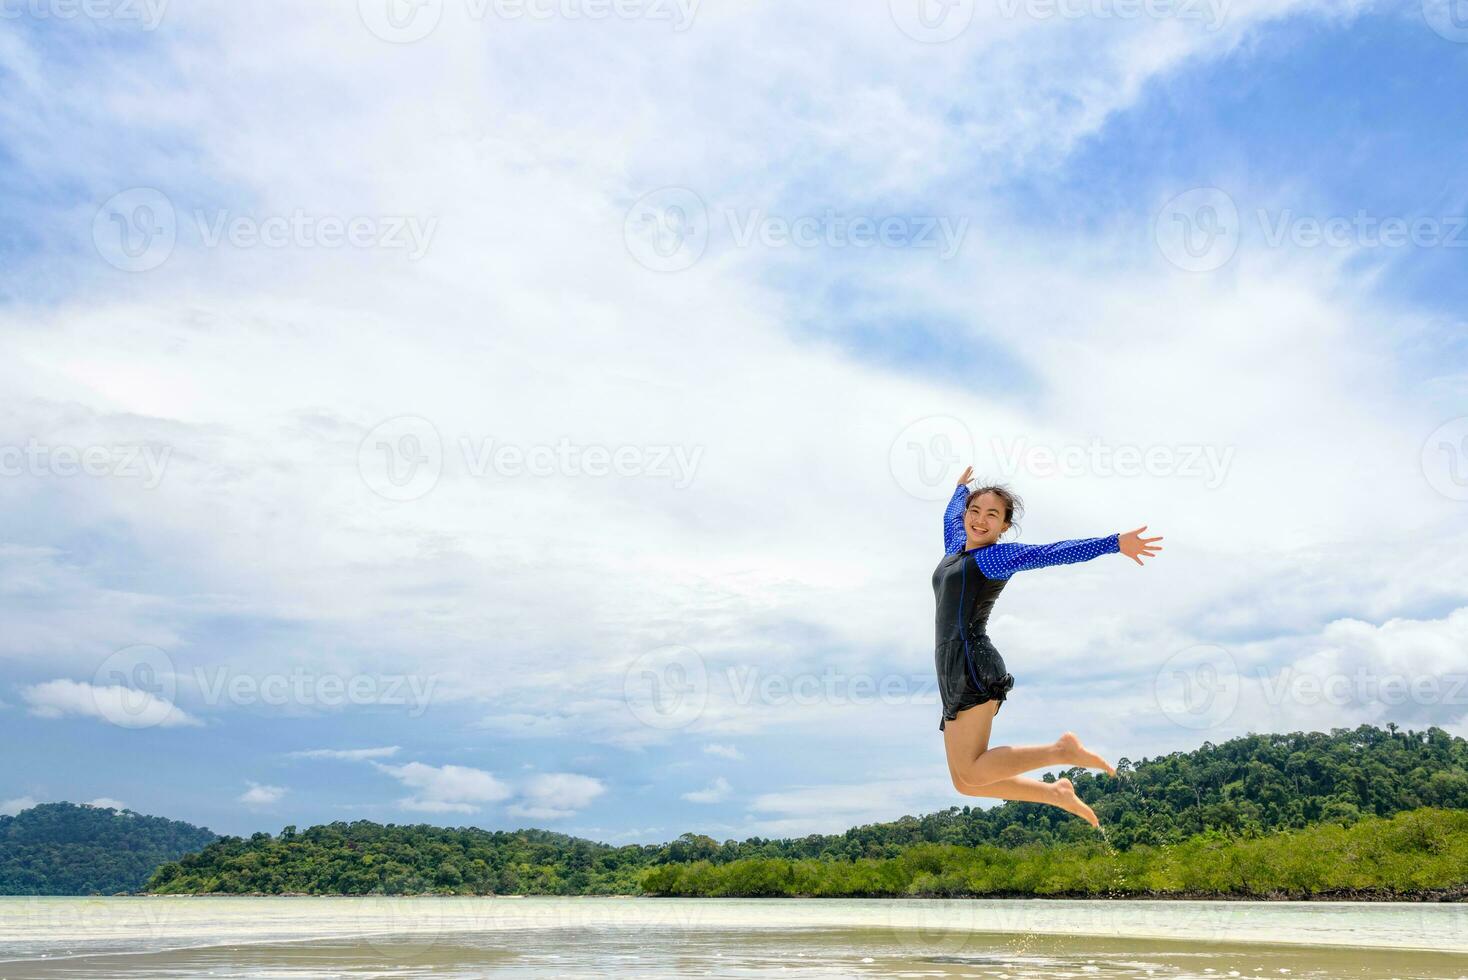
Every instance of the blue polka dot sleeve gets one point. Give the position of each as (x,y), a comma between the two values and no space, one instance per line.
(953,536)
(1003,560)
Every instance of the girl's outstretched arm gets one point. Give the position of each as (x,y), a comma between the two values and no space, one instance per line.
(954,537)
(1003,560)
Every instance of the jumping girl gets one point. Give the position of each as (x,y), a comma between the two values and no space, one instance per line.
(972,680)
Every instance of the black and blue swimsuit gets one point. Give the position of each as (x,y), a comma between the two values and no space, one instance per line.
(966,584)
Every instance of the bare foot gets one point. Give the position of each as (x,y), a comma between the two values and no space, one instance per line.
(1076,754)
(1066,799)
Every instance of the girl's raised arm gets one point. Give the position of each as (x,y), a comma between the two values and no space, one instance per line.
(953,533)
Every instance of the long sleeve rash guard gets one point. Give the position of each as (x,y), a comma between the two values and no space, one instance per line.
(964,599)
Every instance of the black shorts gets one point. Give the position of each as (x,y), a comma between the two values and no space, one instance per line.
(971,676)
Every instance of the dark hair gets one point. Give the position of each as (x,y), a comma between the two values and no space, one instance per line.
(1014,507)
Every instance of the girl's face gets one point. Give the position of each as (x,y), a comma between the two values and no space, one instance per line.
(983,519)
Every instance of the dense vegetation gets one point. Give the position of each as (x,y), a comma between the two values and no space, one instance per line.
(1200,802)
(1416,853)
(363,857)
(69,849)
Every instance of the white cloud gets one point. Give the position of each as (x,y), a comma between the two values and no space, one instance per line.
(554,796)
(723,751)
(122,706)
(446,789)
(354,755)
(106,802)
(261,795)
(10,808)
(715,792)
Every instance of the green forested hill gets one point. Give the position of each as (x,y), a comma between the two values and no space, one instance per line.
(67,849)
(1239,791)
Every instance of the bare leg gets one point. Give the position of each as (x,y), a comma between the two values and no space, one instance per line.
(1059,793)
(970,759)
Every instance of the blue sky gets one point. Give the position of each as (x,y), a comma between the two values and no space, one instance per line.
(791,271)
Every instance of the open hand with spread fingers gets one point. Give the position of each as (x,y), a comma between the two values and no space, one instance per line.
(1136,547)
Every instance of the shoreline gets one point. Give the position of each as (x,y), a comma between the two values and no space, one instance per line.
(1432,896)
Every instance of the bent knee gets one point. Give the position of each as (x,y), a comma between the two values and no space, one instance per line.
(967,771)
(966,784)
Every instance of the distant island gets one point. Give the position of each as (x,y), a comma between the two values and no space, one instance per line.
(1367,813)
(78,849)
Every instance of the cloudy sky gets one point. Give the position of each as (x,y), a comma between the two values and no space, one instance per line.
(540,413)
